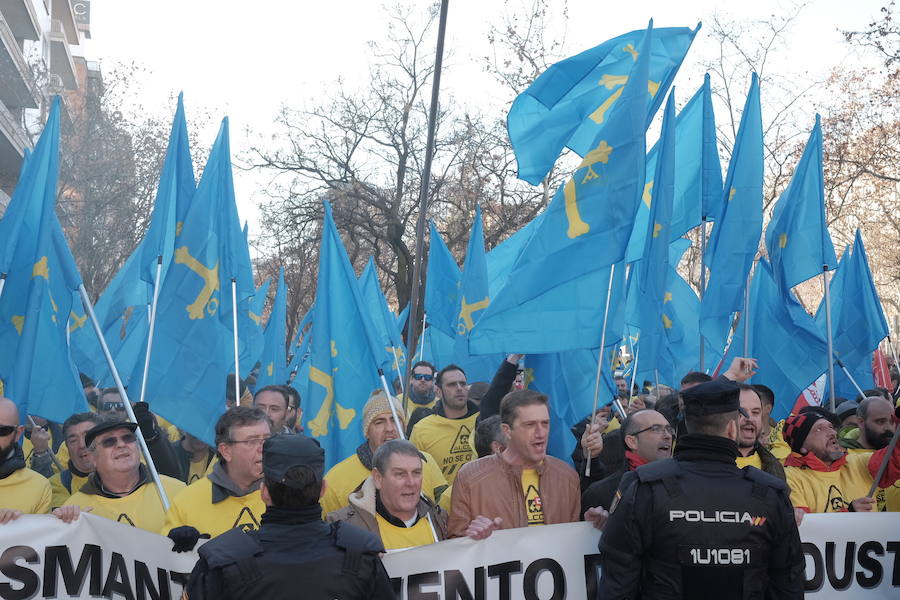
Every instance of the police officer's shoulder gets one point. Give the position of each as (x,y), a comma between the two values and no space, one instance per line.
(758,476)
(658,469)
(229,548)
(354,539)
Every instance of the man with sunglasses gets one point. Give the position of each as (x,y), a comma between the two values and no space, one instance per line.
(120,488)
(228,497)
(21,489)
(421,391)
(647,437)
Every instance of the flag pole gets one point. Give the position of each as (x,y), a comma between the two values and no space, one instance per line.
(159,262)
(884,462)
(600,358)
(633,374)
(234,324)
(2,283)
(50,449)
(423,190)
(746,316)
(827,285)
(859,390)
(390,396)
(397,370)
(702,284)
(86,301)
(421,344)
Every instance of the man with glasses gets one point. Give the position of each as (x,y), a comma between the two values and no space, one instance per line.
(21,489)
(80,463)
(420,392)
(647,437)
(120,488)
(820,473)
(229,496)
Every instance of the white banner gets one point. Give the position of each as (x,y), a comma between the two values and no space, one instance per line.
(93,557)
(848,556)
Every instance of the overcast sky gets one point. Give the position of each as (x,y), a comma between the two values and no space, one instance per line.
(244,59)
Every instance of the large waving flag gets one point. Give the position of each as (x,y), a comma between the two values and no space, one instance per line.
(784,339)
(442,283)
(558,277)
(41,282)
(797,238)
(343,367)
(193,348)
(389,338)
(503,256)
(698,178)
(857,319)
(274,368)
(572,101)
(735,237)
(648,277)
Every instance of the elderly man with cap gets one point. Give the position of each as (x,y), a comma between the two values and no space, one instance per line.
(21,489)
(822,476)
(379,427)
(697,526)
(294,553)
(120,488)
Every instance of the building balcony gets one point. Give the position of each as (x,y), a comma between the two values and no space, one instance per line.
(62,11)
(13,143)
(18,89)
(61,61)
(21,18)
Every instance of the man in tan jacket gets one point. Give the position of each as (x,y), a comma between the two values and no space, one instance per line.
(521,486)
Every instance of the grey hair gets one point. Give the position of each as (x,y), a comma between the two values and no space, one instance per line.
(382,458)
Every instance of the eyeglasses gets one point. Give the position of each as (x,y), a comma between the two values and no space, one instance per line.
(6,429)
(422,377)
(107,406)
(251,443)
(656,429)
(112,442)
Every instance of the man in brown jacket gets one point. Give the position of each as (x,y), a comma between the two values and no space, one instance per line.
(521,486)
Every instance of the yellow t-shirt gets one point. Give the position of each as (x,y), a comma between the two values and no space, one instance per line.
(27,491)
(142,508)
(612,425)
(753,460)
(777,446)
(194,506)
(409,406)
(397,538)
(832,491)
(447,440)
(60,492)
(531,487)
(171,431)
(346,476)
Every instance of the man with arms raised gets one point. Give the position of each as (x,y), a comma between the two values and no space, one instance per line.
(522,486)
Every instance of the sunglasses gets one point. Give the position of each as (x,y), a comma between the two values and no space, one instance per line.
(112,442)
(422,377)
(6,429)
(107,406)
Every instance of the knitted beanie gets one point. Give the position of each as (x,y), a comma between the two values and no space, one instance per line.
(377,405)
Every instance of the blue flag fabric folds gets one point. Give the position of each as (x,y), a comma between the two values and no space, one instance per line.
(390,341)
(274,368)
(735,237)
(442,282)
(343,364)
(583,231)
(784,339)
(797,239)
(258,304)
(572,101)
(41,283)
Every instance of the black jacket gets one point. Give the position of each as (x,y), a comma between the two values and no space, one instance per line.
(601,493)
(293,554)
(697,527)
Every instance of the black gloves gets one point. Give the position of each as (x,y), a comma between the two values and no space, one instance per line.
(185,538)
(145,420)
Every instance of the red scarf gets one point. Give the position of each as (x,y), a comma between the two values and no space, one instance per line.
(811,461)
(634,460)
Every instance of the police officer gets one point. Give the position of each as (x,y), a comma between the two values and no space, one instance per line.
(294,553)
(695,526)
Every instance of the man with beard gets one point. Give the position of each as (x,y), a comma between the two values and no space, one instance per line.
(875,417)
(821,475)
(21,489)
(647,437)
(754,454)
(80,463)
(420,392)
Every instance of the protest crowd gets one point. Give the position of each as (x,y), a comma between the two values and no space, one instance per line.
(305,462)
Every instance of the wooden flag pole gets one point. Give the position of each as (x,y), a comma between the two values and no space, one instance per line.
(86,301)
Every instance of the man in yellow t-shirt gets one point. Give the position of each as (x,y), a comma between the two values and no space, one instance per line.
(120,488)
(21,489)
(390,502)
(80,463)
(229,496)
(447,433)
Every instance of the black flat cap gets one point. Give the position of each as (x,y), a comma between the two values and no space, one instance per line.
(711,398)
(286,450)
(108,425)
